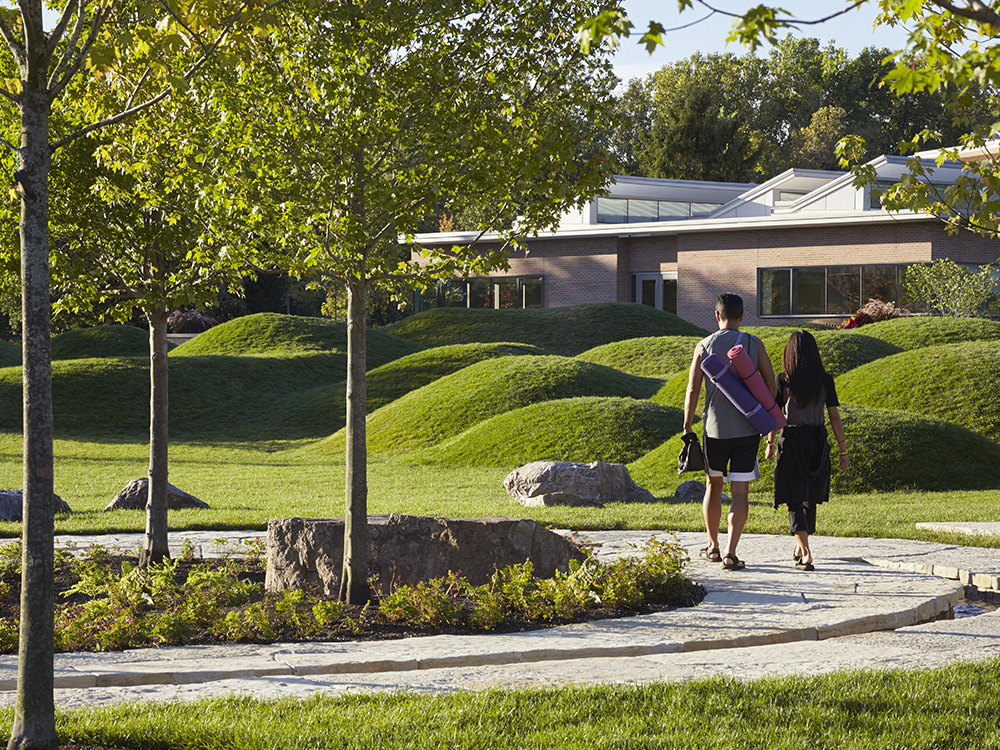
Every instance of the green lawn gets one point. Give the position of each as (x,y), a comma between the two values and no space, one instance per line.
(247,484)
(952,708)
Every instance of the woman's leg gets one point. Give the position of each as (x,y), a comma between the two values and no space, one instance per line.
(798,523)
(802,547)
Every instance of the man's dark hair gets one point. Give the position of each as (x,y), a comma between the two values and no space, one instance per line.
(729,306)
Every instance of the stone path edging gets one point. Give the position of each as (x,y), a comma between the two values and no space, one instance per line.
(768,606)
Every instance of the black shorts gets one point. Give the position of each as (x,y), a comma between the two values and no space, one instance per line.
(734,459)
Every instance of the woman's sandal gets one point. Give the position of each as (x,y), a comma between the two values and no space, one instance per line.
(710,553)
(808,567)
(736,564)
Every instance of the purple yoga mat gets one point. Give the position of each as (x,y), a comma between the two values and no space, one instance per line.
(725,378)
(746,368)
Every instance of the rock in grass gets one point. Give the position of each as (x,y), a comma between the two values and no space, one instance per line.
(308,553)
(692,489)
(545,483)
(134,495)
(12,505)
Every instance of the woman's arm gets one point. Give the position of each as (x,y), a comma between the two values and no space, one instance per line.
(838,432)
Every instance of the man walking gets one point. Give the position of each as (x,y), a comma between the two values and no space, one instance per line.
(731,442)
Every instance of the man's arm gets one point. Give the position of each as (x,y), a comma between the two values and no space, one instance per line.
(693,390)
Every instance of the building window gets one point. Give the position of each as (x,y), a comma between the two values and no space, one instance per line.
(500,293)
(827,290)
(633,210)
(790,195)
(775,291)
(530,291)
(612,211)
(657,290)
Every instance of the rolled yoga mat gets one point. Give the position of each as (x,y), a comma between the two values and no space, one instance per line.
(747,370)
(723,374)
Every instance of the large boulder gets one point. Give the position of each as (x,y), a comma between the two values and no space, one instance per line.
(134,496)
(308,553)
(12,505)
(544,483)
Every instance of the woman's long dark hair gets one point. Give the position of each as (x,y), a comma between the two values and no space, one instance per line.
(804,369)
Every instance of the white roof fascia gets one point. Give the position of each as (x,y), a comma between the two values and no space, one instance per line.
(989,150)
(667,228)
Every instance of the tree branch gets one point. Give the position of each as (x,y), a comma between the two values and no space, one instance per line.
(70,70)
(56,34)
(975,10)
(67,54)
(794,21)
(16,47)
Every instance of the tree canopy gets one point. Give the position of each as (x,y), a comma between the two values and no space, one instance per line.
(746,118)
(365,118)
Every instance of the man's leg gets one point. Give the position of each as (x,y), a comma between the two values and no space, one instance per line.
(712,509)
(739,509)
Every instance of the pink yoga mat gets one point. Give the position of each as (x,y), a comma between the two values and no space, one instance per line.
(722,373)
(746,368)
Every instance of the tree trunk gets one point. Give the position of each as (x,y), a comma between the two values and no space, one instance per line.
(354,580)
(34,713)
(157,547)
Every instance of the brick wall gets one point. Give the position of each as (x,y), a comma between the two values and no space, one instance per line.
(714,262)
(599,269)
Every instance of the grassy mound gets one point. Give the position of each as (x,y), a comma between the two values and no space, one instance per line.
(559,330)
(890,450)
(274,334)
(10,354)
(673,390)
(956,382)
(841,350)
(650,356)
(226,398)
(452,404)
(103,341)
(919,332)
(616,430)
(399,377)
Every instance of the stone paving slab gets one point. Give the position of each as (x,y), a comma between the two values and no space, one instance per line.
(973,528)
(200,544)
(766,619)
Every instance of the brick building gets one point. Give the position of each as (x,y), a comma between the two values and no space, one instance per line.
(805,245)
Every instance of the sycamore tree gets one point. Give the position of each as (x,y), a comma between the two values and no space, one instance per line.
(370,117)
(952,44)
(52,61)
(155,224)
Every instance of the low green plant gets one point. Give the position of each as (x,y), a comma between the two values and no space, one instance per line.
(435,602)
(513,592)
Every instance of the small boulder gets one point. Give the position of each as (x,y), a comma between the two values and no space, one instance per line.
(12,505)
(545,483)
(134,495)
(692,489)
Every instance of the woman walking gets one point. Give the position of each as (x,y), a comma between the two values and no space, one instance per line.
(802,468)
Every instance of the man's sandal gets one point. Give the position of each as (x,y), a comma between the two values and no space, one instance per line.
(710,553)
(735,564)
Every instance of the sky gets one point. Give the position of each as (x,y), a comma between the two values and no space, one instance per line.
(853,31)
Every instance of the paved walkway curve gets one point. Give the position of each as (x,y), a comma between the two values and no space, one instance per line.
(869,604)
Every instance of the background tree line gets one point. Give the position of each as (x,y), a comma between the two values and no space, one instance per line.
(746,118)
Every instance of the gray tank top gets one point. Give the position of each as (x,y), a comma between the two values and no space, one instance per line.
(722,419)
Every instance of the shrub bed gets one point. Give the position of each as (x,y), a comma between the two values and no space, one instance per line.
(107,603)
